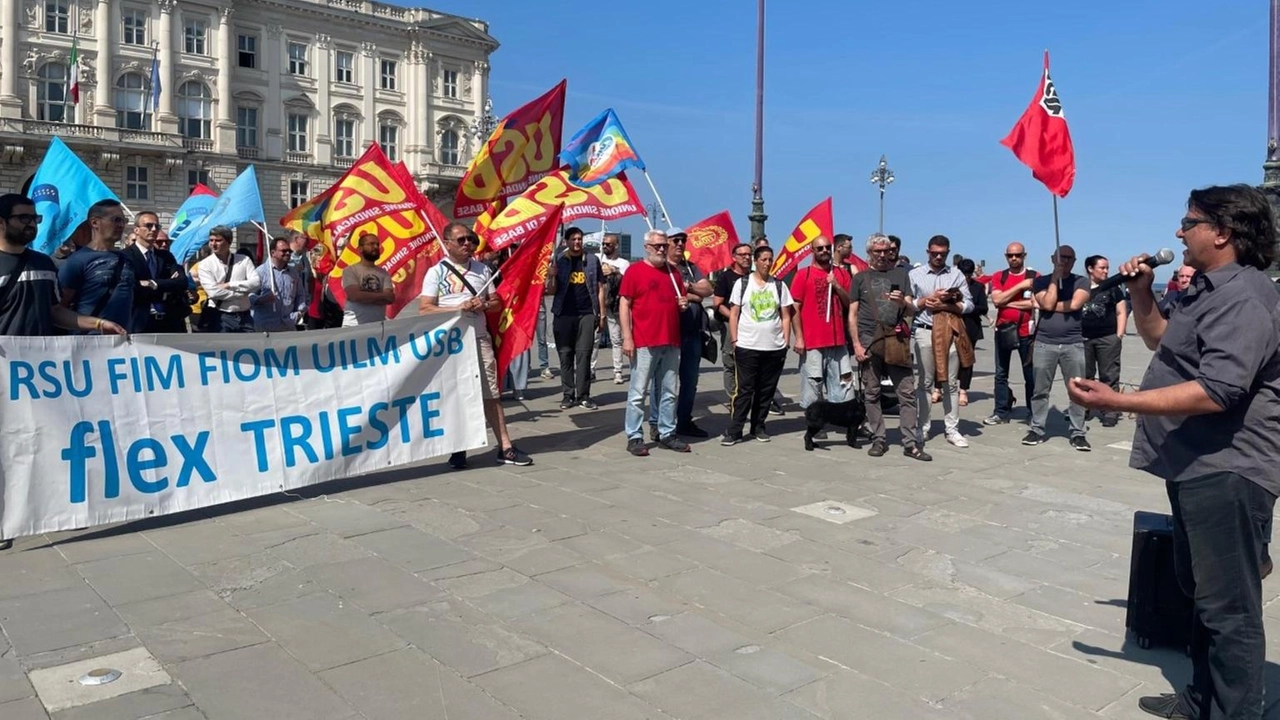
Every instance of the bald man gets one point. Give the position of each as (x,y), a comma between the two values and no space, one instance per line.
(1011,294)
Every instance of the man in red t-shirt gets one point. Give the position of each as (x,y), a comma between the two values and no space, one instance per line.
(650,301)
(1011,294)
(821,293)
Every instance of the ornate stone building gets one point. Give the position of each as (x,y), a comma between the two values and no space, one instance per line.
(297,88)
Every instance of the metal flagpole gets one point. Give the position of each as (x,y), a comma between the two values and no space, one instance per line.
(1057,241)
(657,197)
(66,89)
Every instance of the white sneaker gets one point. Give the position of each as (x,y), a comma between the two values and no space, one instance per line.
(617,378)
(955,438)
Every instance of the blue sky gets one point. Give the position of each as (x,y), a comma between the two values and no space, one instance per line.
(1161,96)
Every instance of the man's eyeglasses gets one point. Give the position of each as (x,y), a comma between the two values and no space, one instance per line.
(677,241)
(660,247)
(883,251)
(744,253)
(938,253)
(1188,223)
(150,226)
(821,248)
(27,218)
(1015,255)
(473,239)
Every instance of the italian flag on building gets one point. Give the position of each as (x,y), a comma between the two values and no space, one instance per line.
(75,71)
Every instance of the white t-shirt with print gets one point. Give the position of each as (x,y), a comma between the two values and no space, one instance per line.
(448,289)
(760,320)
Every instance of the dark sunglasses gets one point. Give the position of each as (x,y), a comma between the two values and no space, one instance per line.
(150,226)
(659,246)
(27,219)
(473,239)
(677,241)
(938,253)
(821,248)
(1013,255)
(1188,223)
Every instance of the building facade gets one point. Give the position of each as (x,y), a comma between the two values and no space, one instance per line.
(298,88)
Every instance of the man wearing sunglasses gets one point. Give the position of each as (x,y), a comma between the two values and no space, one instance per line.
(1011,294)
(158,276)
(460,282)
(98,280)
(692,318)
(1207,413)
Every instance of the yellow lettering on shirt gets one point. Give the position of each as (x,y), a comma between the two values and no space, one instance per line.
(578,278)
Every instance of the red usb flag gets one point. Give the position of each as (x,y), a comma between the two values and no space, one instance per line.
(711,242)
(519,286)
(1041,139)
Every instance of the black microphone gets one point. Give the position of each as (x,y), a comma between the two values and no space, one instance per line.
(1164,257)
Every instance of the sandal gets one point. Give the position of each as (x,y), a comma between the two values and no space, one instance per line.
(936,397)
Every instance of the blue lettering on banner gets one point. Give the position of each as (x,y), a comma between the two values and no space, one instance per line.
(436,343)
(297,433)
(246,365)
(22,376)
(142,456)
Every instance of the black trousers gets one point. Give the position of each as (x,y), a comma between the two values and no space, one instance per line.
(1004,353)
(758,372)
(1219,528)
(1102,360)
(575,337)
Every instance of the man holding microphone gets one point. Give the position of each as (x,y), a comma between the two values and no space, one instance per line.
(1208,410)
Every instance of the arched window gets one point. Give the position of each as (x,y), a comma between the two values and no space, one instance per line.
(449,147)
(132,110)
(51,93)
(195,110)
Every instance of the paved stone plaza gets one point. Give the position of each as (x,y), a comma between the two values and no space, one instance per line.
(990,583)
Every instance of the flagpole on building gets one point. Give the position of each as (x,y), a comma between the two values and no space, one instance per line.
(1057,240)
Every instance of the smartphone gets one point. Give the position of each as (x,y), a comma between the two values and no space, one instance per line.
(894,288)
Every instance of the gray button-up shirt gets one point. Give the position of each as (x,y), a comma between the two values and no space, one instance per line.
(1223,333)
(926,281)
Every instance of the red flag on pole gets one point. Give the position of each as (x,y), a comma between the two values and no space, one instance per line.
(522,278)
(711,242)
(1041,139)
(817,221)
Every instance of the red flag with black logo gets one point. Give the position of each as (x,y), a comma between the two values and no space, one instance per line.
(1041,139)
(520,282)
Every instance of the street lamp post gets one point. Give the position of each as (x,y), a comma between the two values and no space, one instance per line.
(883,177)
(482,127)
(656,215)
(757,216)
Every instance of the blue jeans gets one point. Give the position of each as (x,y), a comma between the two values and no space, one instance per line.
(690,364)
(1047,359)
(822,375)
(653,363)
(518,373)
(540,334)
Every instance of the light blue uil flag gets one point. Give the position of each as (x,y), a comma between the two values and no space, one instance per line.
(63,190)
(239,203)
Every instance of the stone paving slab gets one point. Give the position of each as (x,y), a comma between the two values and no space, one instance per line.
(989,583)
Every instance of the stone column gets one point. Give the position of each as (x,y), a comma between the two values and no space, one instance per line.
(372,81)
(103,113)
(10,103)
(322,121)
(166,119)
(271,116)
(225,123)
(1271,168)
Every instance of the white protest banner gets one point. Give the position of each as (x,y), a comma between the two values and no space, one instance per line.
(100,430)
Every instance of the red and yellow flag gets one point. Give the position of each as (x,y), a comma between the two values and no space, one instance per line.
(711,241)
(519,152)
(612,199)
(817,221)
(521,280)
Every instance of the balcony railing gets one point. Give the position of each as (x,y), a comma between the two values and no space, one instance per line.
(198,144)
(344,162)
(449,171)
(247,153)
(300,158)
(97,132)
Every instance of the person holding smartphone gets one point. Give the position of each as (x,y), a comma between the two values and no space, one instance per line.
(880,325)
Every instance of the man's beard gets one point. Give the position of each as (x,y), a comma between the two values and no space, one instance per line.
(20,239)
(371,256)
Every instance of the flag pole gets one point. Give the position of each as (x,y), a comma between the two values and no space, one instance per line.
(658,197)
(1057,241)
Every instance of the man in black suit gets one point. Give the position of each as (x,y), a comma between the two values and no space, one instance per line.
(160,279)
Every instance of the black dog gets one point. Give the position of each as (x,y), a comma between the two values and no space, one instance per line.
(850,414)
